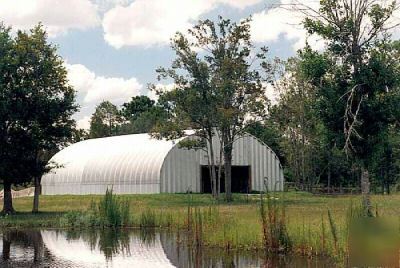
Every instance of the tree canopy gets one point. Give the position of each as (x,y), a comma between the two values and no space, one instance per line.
(218,85)
(36,106)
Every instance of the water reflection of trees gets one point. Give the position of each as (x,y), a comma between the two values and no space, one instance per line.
(147,236)
(31,239)
(181,254)
(113,242)
(109,241)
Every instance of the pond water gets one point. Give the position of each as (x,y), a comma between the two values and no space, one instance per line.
(126,248)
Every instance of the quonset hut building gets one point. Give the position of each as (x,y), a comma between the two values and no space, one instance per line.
(139,164)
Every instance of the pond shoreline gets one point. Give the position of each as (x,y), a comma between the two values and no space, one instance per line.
(235,226)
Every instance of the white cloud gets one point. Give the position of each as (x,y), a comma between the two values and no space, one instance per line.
(105,5)
(271,93)
(114,89)
(240,4)
(84,122)
(93,89)
(395,20)
(273,24)
(160,87)
(147,23)
(80,77)
(58,16)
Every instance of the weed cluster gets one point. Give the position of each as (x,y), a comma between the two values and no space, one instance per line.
(200,221)
(110,211)
(274,227)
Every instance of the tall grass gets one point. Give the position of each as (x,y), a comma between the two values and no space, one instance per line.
(200,222)
(110,211)
(274,228)
(334,232)
(323,236)
(148,219)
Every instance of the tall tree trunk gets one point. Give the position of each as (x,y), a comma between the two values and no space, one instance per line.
(387,188)
(38,246)
(303,163)
(212,167)
(329,177)
(365,191)
(219,171)
(38,187)
(386,176)
(228,172)
(383,181)
(6,247)
(7,201)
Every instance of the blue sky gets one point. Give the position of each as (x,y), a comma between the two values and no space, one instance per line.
(112,47)
(90,49)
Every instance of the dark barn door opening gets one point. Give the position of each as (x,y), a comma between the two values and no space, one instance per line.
(240,179)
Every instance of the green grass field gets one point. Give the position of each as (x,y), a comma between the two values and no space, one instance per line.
(239,224)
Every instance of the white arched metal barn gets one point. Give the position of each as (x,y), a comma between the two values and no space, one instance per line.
(140,164)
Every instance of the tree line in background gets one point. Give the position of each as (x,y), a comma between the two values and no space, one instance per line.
(337,118)
(336,122)
(139,115)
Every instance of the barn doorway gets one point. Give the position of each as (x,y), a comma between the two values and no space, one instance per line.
(241,177)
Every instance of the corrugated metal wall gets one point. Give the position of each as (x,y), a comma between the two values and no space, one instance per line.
(140,164)
(181,168)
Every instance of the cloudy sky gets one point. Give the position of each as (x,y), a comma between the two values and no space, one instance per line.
(112,47)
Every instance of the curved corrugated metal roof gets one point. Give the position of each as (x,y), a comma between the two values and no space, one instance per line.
(111,161)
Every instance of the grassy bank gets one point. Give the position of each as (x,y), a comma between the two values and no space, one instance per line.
(235,225)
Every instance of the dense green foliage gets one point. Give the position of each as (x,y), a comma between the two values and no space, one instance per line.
(140,115)
(105,121)
(36,105)
(218,76)
(339,110)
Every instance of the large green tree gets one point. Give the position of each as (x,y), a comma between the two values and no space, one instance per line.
(191,107)
(191,104)
(37,105)
(305,147)
(301,129)
(141,115)
(218,66)
(10,133)
(358,80)
(136,106)
(106,121)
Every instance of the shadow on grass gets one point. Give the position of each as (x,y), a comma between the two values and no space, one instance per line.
(30,220)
